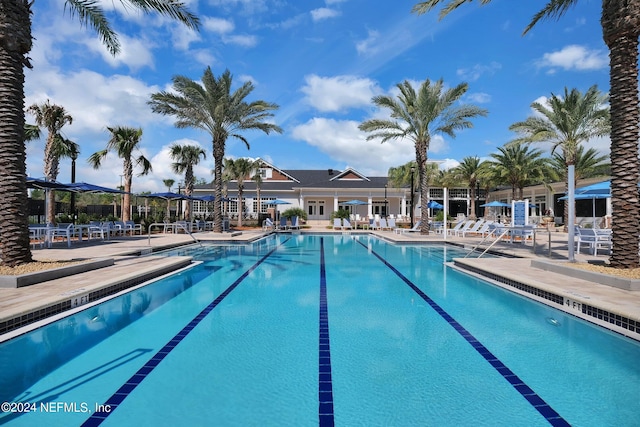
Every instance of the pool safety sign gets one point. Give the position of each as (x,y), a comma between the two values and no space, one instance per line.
(519,213)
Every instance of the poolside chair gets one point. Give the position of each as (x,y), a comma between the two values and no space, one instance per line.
(416,227)
(346,224)
(391,223)
(283,223)
(133,227)
(294,223)
(383,224)
(337,223)
(457,227)
(267,224)
(594,240)
(473,229)
(373,224)
(64,230)
(437,227)
(461,227)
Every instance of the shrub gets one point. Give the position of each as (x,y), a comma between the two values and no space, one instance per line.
(340,213)
(291,212)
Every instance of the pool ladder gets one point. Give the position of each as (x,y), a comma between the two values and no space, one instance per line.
(497,239)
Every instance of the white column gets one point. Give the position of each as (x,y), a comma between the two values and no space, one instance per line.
(403,208)
(335,203)
(370,206)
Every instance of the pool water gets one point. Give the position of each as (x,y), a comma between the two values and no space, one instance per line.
(321,330)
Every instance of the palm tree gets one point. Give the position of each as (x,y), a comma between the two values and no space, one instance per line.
(185,158)
(519,166)
(212,107)
(124,141)
(468,171)
(566,122)
(588,164)
(257,179)
(31,132)
(239,170)
(53,117)
(15,45)
(417,117)
(168,183)
(620,21)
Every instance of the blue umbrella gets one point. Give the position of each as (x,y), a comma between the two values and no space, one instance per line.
(83,187)
(276,202)
(355,202)
(432,204)
(496,204)
(44,184)
(599,188)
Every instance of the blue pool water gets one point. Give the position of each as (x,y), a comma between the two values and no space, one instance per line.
(321,330)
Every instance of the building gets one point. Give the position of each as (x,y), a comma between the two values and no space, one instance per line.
(321,192)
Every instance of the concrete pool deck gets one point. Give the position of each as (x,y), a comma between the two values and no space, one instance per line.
(615,308)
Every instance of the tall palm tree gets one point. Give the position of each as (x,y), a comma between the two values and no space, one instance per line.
(168,183)
(31,132)
(468,171)
(588,164)
(518,165)
(417,116)
(52,117)
(185,158)
(15,45)
(257,179)
(620,21)
(238,170)
(566,122)
(124,141)
(212,107)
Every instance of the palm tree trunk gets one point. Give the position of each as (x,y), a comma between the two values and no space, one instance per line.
(240,206)
(620,24)
(15,44)
(421,161)
(218,155)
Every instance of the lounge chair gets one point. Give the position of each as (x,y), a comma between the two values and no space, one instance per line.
(295,223)
(267,224)
(383,224)
(337,223)
(391,223)
(346,224)
(464,227)
(416,227)
(373,224)
(283,223)
(457,227)
(473,229)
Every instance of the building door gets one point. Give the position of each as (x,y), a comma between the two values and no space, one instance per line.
(315,209)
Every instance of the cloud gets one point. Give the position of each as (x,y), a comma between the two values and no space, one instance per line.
(134,53)
(323,13)
(218,25)
(574,57)
(343,141)
(241,40)
(478,98)
(332,94)
(370,44)
(474,73)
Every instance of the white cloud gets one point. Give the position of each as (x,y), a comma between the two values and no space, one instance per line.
(218,25)
(331,94)
(241,40)
(323,13)
(134,53)
(370,44)
(182,37)
(574,57)
(478,98)
(475,72)
(343,141)
(448,164)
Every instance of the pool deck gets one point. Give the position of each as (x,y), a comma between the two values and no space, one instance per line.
(18,306)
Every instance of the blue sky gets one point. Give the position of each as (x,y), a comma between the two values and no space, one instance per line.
(321,62)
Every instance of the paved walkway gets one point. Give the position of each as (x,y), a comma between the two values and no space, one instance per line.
(129,267)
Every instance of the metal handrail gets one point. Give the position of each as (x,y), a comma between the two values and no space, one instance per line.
(163,224)
(490,246)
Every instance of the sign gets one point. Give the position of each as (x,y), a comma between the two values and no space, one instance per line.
(519,213)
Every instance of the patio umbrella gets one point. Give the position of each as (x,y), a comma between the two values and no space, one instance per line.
(355,202)
(43,184)
(495,204)
(589,196)
(600,188)
(432,204)
(83,187)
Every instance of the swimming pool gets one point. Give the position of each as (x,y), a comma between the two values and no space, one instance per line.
(321,330)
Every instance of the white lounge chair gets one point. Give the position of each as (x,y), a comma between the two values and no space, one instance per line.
(416,227)
(295,223)
(373,224)
(383,224)
(346,224)
(473,229)
(391,223)
(337,223)
(457,227)
(267,224)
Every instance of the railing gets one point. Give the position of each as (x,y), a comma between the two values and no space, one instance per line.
(174,225)
(505,231)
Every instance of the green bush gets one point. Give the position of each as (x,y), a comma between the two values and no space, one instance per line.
(340,213)
(291,212)
(440,216)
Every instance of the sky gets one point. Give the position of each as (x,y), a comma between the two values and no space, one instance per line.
(321,61)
